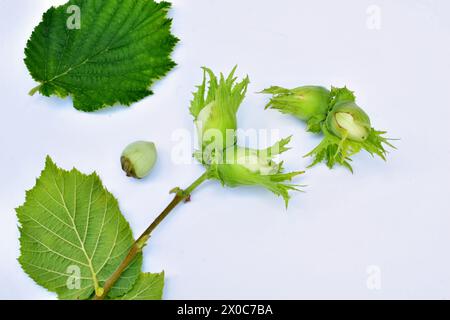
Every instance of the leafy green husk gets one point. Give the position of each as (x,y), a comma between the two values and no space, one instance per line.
(214,109)
(334,150)
(339,150)
(232,173)
(120,49)
(226,92)
(307,103)
(339,95)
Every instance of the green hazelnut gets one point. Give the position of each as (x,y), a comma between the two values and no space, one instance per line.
(138,159)
(347,120)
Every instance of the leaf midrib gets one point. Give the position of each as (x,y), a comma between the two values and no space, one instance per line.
(83,249)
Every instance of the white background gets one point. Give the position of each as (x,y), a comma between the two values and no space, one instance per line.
(242,243)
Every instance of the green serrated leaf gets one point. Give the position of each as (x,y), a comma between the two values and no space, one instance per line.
(73,236)
(149,286)
(115,54)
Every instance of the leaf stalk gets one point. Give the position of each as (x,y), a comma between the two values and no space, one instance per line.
(136,248)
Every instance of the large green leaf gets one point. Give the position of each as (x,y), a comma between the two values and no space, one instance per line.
(149,286)
(73,235)
(120,48)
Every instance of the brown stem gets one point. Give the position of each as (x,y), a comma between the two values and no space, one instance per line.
(137,246)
